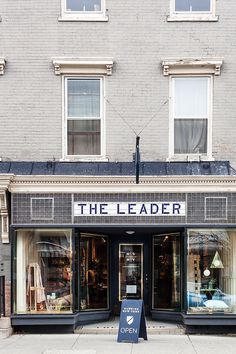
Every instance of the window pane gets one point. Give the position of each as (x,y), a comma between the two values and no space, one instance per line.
(192,5)
(84,137)
(166,272)
(191,97)
(43,271)
(84,98)
(93,272)
(190,136)
(83,5)
(211,275)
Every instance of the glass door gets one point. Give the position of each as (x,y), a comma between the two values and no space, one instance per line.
(166,272)
(130,271)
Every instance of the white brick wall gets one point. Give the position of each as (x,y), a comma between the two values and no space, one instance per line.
(137,36)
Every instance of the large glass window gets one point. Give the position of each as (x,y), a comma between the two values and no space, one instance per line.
(43,268)
(192,5)
(211,276)
(166,271)
(84,115)
(83,5)
(93,272)
(191,114)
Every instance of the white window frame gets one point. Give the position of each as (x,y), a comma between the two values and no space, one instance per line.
(190,157)
(100,157)
(83,15)
(192,15)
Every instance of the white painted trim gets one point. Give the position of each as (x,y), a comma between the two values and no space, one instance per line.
(226,208)
(40,218)
(83,66)
(85,158)
(122,184)
(99,16)
(187,66)
(192,15)
(190,157)
(2,65)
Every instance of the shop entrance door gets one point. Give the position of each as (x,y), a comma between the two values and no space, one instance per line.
(131,277)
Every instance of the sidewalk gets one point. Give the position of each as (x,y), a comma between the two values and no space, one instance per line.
(106,344)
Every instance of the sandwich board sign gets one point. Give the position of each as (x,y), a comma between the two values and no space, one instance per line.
(132,324)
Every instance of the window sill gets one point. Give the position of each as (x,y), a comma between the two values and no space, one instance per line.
(83,18)
(84,159)
(189,158)
(193,18)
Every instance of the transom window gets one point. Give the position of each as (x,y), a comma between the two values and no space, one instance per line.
(84,115)
(193,5)
(191,112)
(83,5)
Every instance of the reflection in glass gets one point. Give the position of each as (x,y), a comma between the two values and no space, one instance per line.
(130,271)
(166,272)
(211,285)
(83,5)
(93,272)
(193,5)
(43,271)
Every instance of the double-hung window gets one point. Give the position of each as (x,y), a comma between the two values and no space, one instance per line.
(191,107)
(84,115)
(192,10)
(83,10)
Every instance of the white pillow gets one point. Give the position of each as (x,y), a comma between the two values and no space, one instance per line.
(219,304)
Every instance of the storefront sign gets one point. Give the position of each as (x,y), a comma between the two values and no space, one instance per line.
(132,322)
(129,209)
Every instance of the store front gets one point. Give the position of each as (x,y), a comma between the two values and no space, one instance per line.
(77,253)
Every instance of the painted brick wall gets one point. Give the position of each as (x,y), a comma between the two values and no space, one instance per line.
(137,36)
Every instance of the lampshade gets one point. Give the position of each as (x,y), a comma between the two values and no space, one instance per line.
(217,262)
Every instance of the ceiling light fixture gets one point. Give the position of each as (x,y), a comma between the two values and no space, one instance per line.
(130,232)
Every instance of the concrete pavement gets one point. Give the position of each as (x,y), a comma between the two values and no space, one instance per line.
(107,344)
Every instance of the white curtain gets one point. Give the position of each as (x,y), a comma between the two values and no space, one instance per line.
(190,136)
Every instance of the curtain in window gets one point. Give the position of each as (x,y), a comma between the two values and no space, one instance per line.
(190,136)
(84,98)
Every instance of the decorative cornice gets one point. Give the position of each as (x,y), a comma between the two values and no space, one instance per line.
(107,184)
(95,66)
(5,181)
(2,65)
(192,66)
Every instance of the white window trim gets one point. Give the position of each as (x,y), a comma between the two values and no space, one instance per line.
(190,157)
(194,15)
(83,67)
(97,16)
(2,65)
(67,157)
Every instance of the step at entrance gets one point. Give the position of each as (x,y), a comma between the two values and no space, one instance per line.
(111,327)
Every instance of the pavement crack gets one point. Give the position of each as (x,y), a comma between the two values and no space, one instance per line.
(76,341)
(195,351)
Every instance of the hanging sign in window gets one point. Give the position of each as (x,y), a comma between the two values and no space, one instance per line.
(129,209)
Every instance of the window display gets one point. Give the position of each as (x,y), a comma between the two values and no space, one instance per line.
(93,272)
(43,271)
(211,285)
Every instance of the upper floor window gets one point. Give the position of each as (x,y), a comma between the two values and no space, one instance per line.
(192,10)
(83,10)
(83,96)
(84,111)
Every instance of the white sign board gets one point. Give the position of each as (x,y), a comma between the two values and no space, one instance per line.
(129,209)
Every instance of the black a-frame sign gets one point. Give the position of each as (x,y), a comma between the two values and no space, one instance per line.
(132,322)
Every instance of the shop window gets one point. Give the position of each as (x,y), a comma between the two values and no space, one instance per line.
(192,10)
(166,272)
(83,10)
(93,272)
(84,116)
(211,273)
(43,271)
